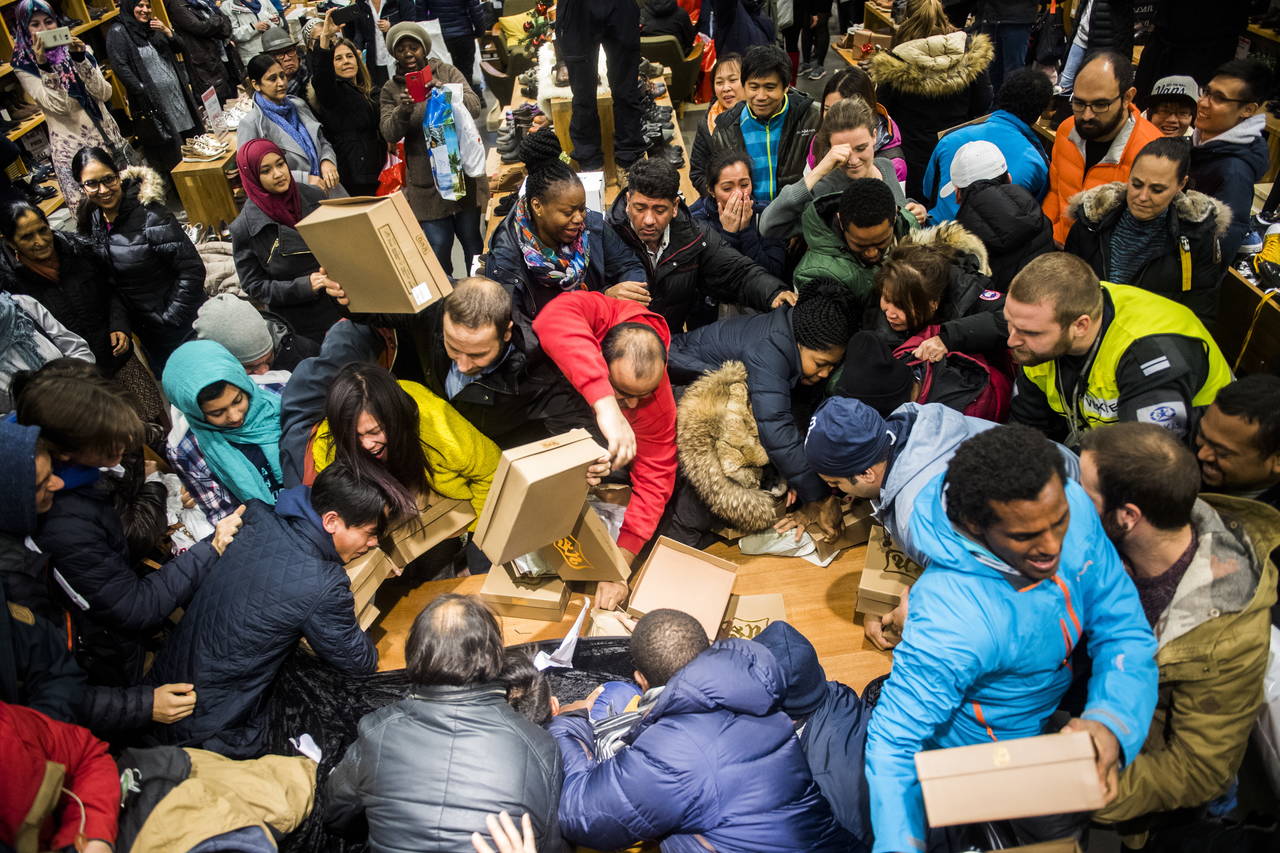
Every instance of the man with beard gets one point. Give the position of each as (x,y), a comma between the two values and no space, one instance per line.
(1093,353)
(1206,582)
(1100,141)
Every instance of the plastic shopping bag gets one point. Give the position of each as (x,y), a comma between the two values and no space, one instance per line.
(443,147)
(391,178)
(469,141)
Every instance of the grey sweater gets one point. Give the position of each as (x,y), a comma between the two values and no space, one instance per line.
(781,219)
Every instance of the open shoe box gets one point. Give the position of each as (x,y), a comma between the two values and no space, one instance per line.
(887,574)
(524,598)
(679,577)
(858,522)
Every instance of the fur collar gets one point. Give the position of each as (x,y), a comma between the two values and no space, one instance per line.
(1094,205)
(951,234)
(150,184)
(935,66)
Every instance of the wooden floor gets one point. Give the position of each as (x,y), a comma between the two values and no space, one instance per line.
(819,603)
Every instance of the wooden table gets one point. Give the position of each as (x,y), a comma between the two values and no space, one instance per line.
(819,604)
(877,19)
(1239,309)
(204,189)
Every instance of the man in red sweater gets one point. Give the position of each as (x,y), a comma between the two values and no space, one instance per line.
(59,788)
(614,351)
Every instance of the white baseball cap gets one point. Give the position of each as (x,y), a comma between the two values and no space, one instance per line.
(975,161)
(1176,86)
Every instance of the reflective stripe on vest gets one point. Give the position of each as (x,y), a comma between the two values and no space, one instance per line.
(1138,314)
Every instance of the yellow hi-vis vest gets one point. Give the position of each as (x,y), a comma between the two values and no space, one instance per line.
(1138,314)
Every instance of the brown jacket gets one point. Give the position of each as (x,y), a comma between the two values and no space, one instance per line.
(1213,644)
(400,122)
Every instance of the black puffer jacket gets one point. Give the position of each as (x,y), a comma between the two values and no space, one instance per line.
(1009,222)
(1197,219)
(667,18)
(83,298)
(350,122)
(281,580)
(496,760)
(697,268)
(158,271)
(766,344)
(275,265)
(798,129)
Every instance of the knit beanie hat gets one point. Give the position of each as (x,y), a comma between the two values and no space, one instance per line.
(806,680)
(408,29)
(237,325)
(846,437)
(871,374)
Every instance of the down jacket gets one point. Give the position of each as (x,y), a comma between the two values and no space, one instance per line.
(159,274)
(713,765)
(828,254)
(1198,219)
(496,761)
(929,85)
(766,345)
(799,126)
(697,267)
(1024,155)
(280,581)
(1010,223)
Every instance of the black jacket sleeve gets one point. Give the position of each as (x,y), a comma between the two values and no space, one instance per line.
(180,255)
(983,331)
(699,159)
(770,254)
(117,709)
(46,675)
(121,52)
(1158,377)
(731,277)
(781,438)
(334,634)
(1031,408)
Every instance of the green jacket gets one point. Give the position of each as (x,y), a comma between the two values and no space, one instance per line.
(828,255)
(1213,645)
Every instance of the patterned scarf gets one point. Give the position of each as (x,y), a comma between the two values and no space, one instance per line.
(18,333)
(564,267)
(64,68)
(286,116)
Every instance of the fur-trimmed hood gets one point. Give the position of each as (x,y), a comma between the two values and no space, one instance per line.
(720,449)
(1094,206)
(935,66)
(951,234)
(150,183)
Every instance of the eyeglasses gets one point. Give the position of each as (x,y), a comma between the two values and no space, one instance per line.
(95,184)
(1097,107)
(1220,100)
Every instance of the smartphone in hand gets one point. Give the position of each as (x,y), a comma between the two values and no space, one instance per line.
(416,83)
(55,37)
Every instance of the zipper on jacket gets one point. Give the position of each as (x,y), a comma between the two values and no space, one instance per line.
(1185,246)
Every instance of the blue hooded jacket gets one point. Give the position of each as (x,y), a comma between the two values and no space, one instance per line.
(985,655)
(713,765)
(1023,154)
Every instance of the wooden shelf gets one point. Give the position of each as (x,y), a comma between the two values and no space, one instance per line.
(88,25)
(1269,35)
(27,126)
(49,205)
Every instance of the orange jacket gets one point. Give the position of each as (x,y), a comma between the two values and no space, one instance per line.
(1066,167)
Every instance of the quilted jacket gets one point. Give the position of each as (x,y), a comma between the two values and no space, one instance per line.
(280,581)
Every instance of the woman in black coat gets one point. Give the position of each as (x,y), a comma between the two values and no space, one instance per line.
(203,32)
(345,99)
(158,271)
(70,276)
(369,34)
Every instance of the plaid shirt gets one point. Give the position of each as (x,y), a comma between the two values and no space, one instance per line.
(763,138)
(186,460)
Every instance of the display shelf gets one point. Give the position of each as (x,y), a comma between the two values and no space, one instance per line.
(26,126)
(89,25)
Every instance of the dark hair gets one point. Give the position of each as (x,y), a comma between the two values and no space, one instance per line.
(724,160)
(12,212)
(405,473)
(540,153)
(478,302)
(1025,93)
(765,60)
(455,641)
(913,277)
(257,68)
(211,392)
(76,368)
(655,178)
(727,59)
(1256,77)
(851,82)
(91,154)
(1147,466)
(78,413)
(1062,279)
(822,318)
(639,343)
(849,114)
(664,642)
(528,689)
(1173,148)
(356,499)
(865,203)
(1121,67)
(999,465)
(1256,399)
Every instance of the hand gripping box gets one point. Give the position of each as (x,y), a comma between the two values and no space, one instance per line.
(887,574)
(375,249)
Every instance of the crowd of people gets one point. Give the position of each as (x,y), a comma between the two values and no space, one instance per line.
(895,292)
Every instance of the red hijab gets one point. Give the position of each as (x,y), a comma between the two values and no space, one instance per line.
(285,209)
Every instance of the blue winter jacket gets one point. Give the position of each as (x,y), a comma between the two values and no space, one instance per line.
(458,18)
(768,252)
(985,655)
(714,765)
(1028,164)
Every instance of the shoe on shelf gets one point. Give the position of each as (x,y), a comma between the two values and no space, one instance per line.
(1252,243)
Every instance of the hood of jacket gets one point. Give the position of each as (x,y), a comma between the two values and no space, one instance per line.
(295,505)
(720,450)
(936,432)
(1004,217)
(18,474)
(952,235)
(805,678)
(935,66)
(144,183)
(662,8)
(1102,204)
(1245,140)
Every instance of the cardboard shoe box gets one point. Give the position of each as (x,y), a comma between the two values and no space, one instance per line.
(855,40)
(682,578)
(588,553)
(748,615)
(537,598)
(440,518)
(858,522)
(367,574)
(1008,779)
(887,574)
(1065,845)
(537,495)
(375,248)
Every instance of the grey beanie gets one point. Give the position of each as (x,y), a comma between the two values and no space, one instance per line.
(408,29)
(237,325)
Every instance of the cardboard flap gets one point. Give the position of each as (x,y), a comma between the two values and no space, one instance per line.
(588,553)
(682,578)
(352,200)
(1004,755)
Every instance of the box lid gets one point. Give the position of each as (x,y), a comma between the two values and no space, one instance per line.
(589,552)
(686,579)
(503,587)
(1005,754)
(748,615)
